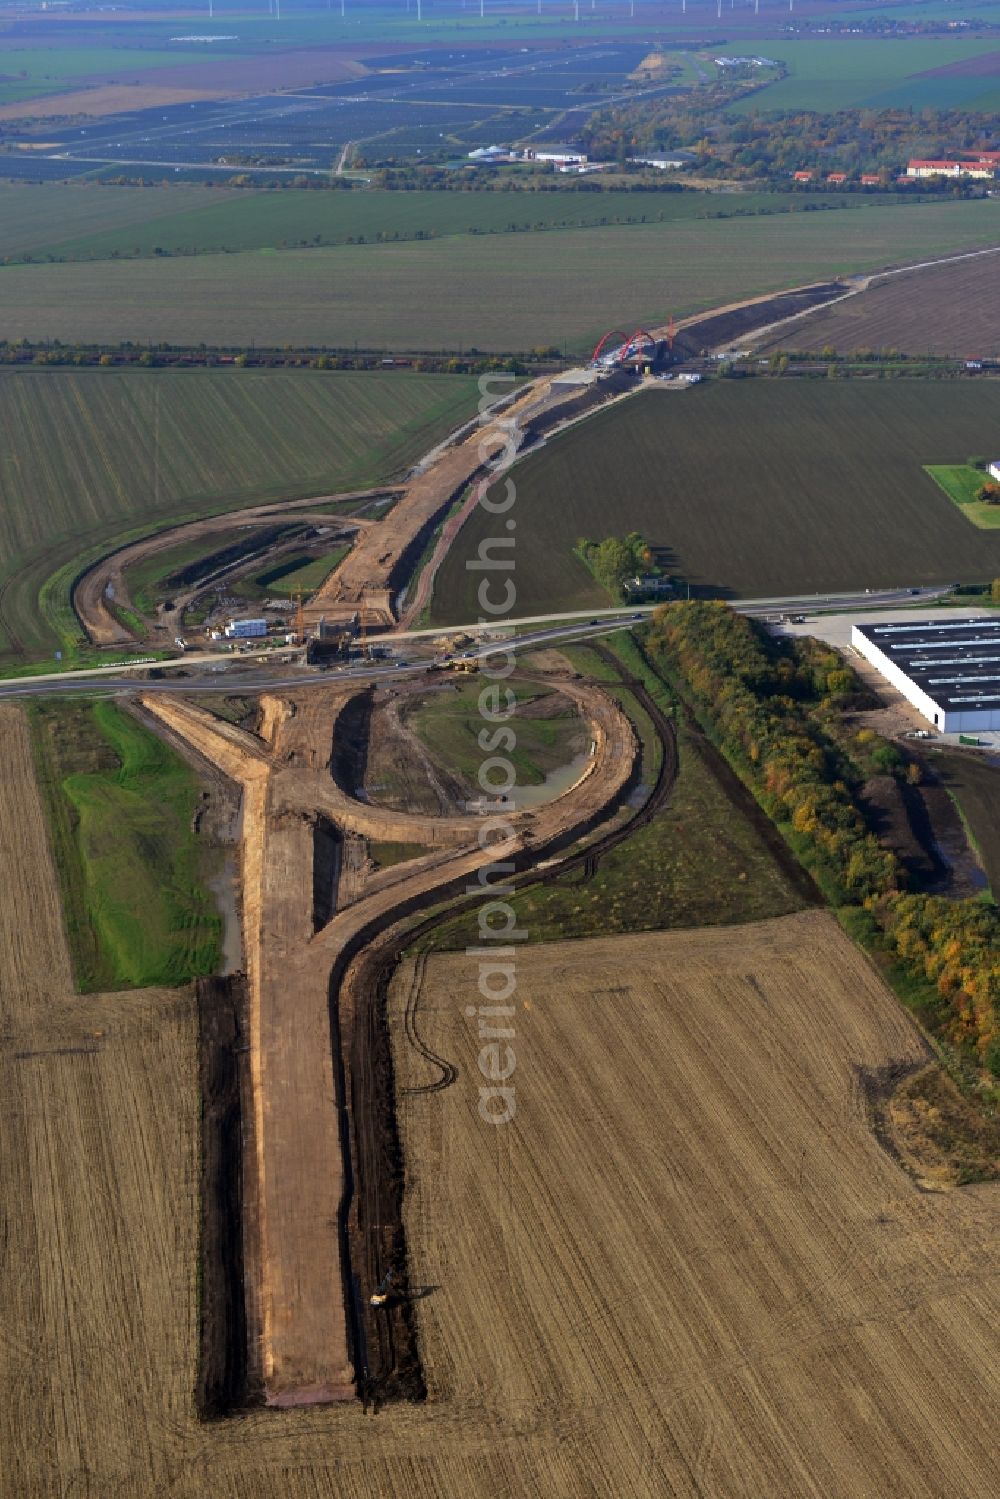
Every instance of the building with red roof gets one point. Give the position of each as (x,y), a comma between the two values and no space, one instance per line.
(952,168)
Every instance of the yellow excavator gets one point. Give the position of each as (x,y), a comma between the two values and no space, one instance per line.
(380,1296)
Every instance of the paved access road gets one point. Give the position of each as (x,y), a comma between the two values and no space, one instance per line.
(224,672)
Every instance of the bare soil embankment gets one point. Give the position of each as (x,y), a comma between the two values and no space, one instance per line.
(321,1166)
(951,308)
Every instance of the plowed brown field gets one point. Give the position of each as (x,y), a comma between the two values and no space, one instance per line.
(950,308)
(685,1268)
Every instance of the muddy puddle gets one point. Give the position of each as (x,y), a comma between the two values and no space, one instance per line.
(555,783)
(223,887)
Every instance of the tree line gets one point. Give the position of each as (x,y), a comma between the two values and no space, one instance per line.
(775,709)
(772,144)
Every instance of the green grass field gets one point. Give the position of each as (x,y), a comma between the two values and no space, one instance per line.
(91,458)
(299,572)
(698,863)
(120,806)
(486,291)
(31,72)
(448,723)
(72,221)
(37,219)
(961,483)
(749,488)
(877,73)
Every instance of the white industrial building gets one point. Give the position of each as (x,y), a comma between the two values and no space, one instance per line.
(949,669)
(567,156)
(245,629)
(668,161)
(995,470)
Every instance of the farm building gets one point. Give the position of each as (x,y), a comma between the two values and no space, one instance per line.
(567,156)
(948,669)
(979,169)
(486,154)
(648,585)
(671,160)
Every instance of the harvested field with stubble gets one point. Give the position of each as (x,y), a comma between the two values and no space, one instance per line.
(741,1294)
(688,1254)
(945,309)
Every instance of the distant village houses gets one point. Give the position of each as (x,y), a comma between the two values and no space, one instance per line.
(982,167)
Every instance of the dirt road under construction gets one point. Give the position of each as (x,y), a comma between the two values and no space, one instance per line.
(107,582)
(321,1160)
(376,567)
(387,551)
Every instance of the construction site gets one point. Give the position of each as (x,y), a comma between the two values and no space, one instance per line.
(388,542)
(278,1197)
(311,1301)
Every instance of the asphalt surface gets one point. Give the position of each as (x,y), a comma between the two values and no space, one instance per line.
(228,673)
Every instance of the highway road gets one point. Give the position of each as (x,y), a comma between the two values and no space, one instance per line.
(224,672)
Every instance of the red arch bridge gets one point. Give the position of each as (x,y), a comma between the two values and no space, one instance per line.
(619,347)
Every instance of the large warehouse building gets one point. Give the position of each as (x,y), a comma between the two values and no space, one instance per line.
(949,669)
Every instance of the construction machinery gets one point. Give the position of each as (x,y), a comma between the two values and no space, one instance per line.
(380,1296)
